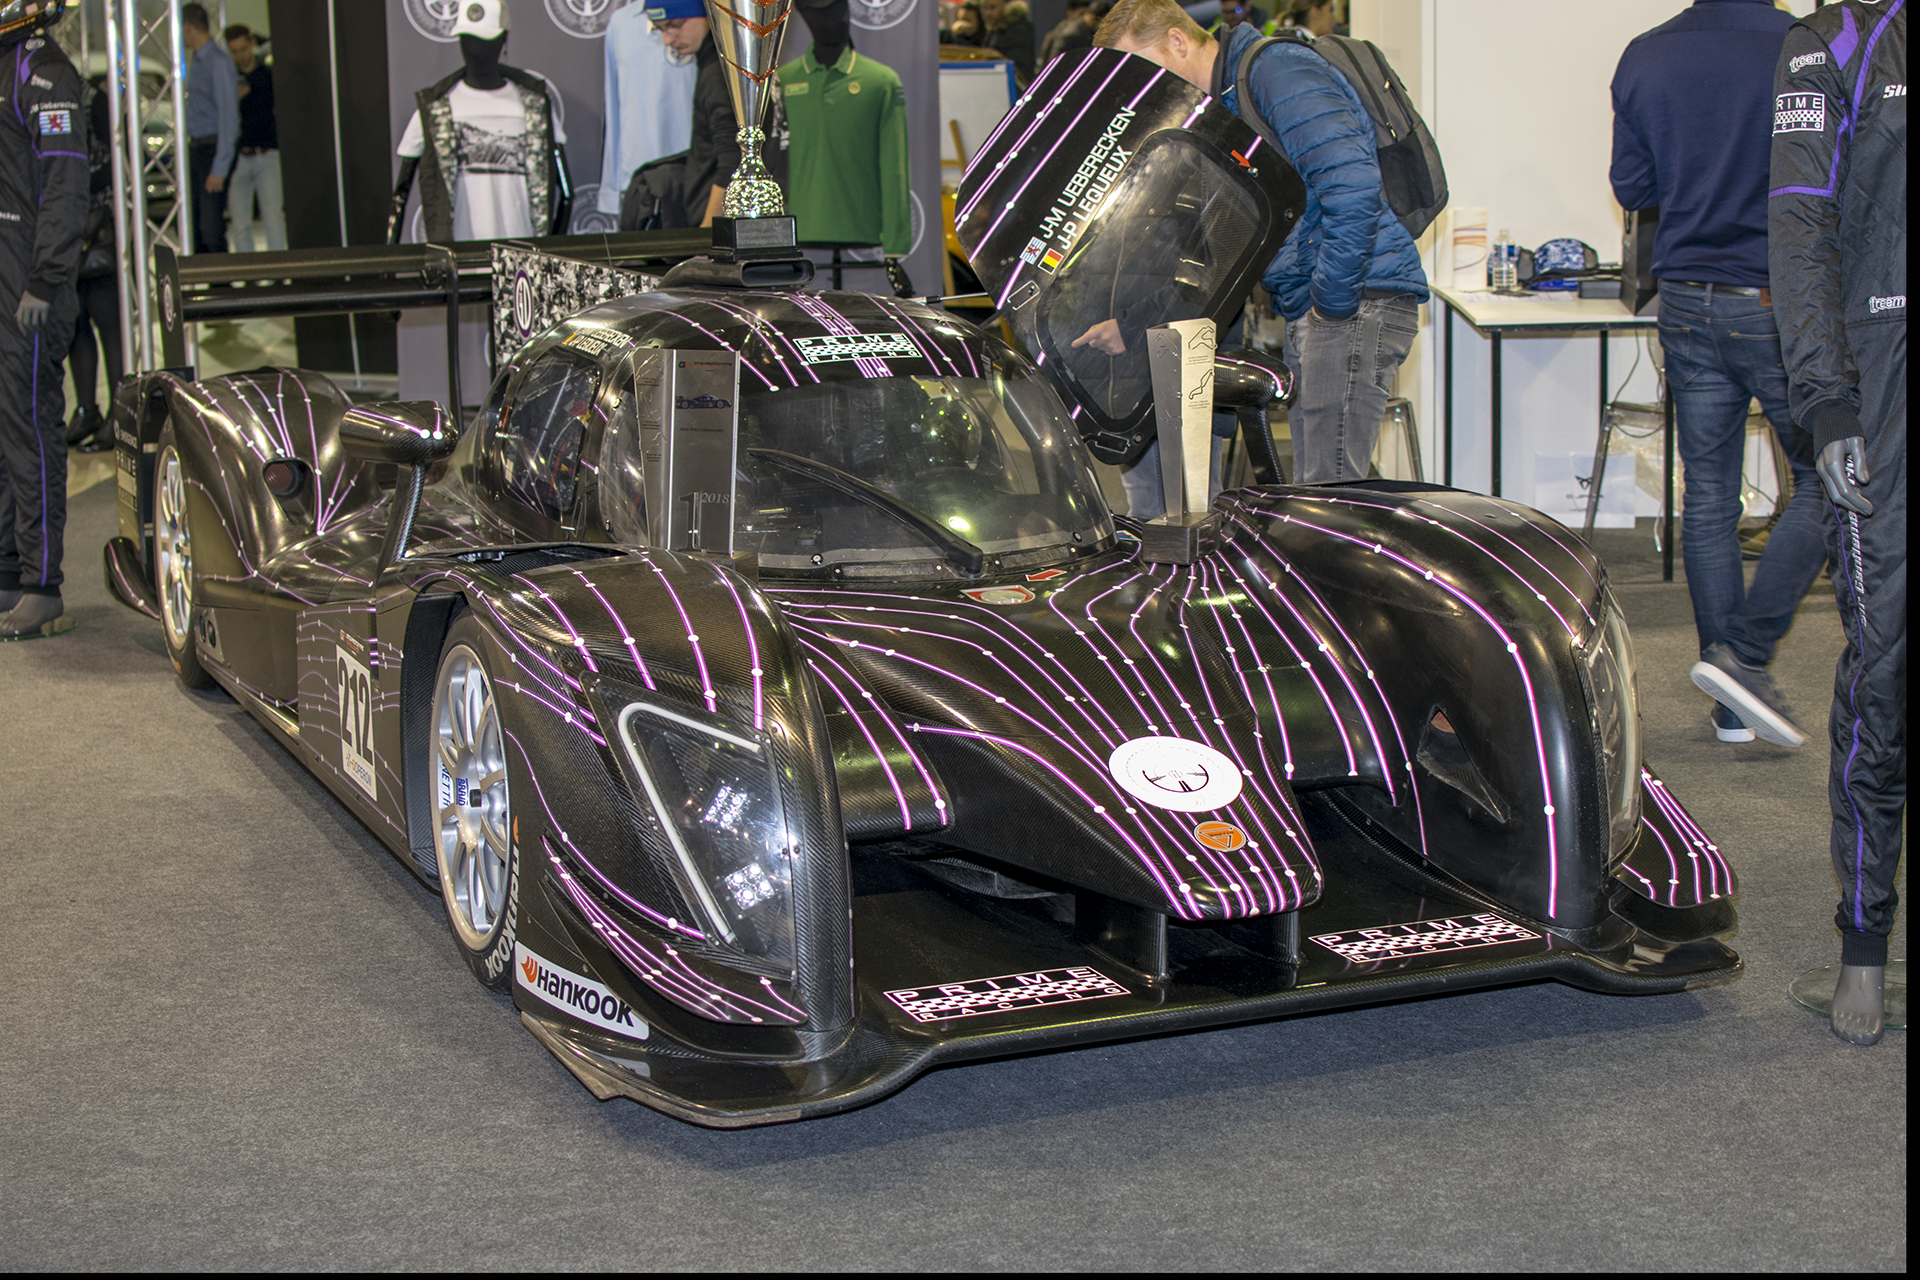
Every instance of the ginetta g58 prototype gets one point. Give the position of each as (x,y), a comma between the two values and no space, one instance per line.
(780,711)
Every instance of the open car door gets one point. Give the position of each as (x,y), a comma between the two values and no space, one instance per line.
(1116,190)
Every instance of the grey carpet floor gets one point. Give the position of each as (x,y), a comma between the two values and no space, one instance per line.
(237,1036)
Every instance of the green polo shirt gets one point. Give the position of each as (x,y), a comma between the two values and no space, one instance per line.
(847,154)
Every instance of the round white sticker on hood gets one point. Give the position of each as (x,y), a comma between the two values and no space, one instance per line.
(1173,773)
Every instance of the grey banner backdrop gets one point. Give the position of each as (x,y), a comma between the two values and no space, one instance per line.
(563,40)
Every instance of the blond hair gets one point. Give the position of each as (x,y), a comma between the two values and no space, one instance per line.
(1145,23)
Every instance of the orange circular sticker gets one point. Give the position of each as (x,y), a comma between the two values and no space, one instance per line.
(1223,836)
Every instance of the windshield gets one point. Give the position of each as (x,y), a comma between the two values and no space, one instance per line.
(851,472)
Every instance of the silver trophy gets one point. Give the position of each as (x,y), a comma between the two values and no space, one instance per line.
(748,36)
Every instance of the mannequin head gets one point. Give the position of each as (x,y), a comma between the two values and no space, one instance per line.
(22,18)
(483,60)
(828,22)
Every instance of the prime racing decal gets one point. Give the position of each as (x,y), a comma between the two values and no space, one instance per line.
(1173,773)
(1008,993)
(1423,938)
(1800,113)
(582,998)
(355,687)
(856,346)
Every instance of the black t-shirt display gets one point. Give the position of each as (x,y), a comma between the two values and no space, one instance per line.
(256,109)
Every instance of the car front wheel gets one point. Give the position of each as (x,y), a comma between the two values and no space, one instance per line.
(472,807)
(173,562)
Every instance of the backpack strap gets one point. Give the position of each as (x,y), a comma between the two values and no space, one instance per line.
(1243,96)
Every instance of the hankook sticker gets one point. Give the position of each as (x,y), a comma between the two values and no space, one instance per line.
(1173,773)
(356,721)
(856,346)
(583,998)
(1008,993)
(1423,937)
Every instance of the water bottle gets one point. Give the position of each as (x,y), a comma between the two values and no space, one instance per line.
(1503,265)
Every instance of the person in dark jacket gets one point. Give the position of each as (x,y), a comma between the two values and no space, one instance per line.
(1010,32)
(1837,254)
(43,212)
(1348,280)
(713,154)
(1691,102)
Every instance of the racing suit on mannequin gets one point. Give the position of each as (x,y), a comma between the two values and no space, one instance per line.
(1837,257)
(43,209)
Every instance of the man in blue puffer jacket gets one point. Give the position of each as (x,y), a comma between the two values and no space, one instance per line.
(1348,280)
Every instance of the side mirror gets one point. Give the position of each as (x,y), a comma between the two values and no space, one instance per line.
(1247,379)
(407,433)
(411,434)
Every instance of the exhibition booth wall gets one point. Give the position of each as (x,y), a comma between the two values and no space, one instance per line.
(1518,99)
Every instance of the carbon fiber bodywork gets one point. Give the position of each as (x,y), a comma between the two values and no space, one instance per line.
(1398,679)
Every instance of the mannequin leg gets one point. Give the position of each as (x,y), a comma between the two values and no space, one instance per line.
(1867,780)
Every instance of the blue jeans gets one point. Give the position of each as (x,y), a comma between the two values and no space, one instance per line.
(1722,351)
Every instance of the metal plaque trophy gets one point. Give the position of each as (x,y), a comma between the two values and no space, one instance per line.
(753,221)
(1180,356)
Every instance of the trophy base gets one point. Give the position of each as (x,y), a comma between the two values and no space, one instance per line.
(754,239)
(1178,539)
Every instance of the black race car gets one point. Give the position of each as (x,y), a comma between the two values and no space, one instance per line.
(931,763)
(781,712)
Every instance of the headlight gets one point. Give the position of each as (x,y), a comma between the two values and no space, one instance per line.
(1608,674)
(716,793)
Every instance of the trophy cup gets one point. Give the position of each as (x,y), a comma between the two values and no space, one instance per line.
(753,224)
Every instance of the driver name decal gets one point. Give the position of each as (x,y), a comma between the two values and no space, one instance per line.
(1176,774)
(1423,937)
(572,994)
(1080,199)
(856,346)
(355,687)
(1008,993)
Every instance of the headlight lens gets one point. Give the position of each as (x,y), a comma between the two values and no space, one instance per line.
(715,790)
(1616,721)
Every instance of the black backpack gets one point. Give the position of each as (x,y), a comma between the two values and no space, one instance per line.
(655,198)
(1411,175)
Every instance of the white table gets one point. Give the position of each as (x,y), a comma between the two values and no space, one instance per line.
(1539,314)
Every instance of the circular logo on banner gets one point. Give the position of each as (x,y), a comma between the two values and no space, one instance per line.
(919,222)
(522,303)
(586,19)
(878,15)
(433,19)
(586,219)
(1173,773)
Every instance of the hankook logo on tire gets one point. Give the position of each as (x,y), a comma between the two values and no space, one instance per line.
(433,19)
(586,19)
(878,15)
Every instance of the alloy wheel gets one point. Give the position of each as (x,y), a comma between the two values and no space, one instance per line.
(173,549)
(473,820)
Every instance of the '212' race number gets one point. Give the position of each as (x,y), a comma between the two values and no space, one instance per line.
(356,722)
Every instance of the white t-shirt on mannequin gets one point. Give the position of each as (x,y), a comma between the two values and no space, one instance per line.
(490,193)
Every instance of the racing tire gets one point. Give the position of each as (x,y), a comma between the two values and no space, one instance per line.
(475,853)
(172,562)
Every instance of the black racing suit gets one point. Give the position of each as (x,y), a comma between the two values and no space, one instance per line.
(1837,257)
(43,209)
